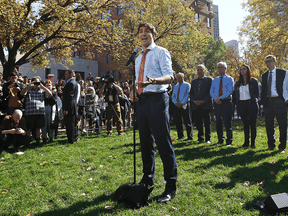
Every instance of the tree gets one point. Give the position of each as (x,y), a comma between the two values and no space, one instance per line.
(213,53)
(35,28)
(176,27)
(265,32)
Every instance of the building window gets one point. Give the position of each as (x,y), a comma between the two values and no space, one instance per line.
(197,17)
(114,74)
(121,8)
(196,2)
(208,6)
(108,58)
(81,54)
(208,22)
(120,76)
(47,71)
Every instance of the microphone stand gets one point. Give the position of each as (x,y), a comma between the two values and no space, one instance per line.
(134,116)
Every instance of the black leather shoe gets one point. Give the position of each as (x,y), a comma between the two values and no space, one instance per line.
(166,197)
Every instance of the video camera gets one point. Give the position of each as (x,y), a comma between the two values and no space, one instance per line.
(106,79)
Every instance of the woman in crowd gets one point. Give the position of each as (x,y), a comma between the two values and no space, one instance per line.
(246,92)
(50,110)
(90,102)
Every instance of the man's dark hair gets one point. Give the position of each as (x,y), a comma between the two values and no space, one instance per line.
(149,26)
(71,72)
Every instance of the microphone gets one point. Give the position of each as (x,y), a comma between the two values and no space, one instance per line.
(133,56)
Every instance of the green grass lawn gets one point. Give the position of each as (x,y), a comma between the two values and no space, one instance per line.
(80,179)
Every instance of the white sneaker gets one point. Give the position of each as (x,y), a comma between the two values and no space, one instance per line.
(84,131)
(208,142)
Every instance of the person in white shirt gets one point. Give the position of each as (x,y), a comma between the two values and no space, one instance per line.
(154,73)
(246,92)
(273,98)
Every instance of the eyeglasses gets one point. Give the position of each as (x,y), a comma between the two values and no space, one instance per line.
(269,61)
(221,67)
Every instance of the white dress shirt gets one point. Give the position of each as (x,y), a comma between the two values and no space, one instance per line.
(244,92)
(157,63)
(273,84)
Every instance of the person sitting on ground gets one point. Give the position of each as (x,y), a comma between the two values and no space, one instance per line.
(13,131)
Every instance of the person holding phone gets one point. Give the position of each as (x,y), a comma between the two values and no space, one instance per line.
(13,131)
(11,92)
(35,94)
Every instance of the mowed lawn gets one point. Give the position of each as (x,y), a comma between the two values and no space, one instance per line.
(80,179)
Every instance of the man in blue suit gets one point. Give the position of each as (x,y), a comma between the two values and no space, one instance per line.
(273,100)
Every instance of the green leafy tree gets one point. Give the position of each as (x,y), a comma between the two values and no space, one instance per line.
(265,32)
(36,28)
(176,27)
(213,53)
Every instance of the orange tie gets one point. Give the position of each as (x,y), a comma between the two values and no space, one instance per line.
(141,71)
(178,92)
(221,87)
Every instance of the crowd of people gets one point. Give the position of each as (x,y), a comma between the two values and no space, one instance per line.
(79,105)
(34,109)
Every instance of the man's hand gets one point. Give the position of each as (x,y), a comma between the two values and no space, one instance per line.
(19,131)
(218,101)
(179,105)
(146,83)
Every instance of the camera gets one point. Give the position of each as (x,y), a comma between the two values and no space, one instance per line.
(16,84)
(36,83)
(106,79)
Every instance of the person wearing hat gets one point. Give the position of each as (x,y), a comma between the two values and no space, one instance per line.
(11,92)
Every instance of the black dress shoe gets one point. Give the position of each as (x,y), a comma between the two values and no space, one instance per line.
(165,197)
(189,138)
(180,138)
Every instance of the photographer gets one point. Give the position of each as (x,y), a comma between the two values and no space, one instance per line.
(35,94)
(112,92)
(11,93)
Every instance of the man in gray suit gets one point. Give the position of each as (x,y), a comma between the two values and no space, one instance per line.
(201,103)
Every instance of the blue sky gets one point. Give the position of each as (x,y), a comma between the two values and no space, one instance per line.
(231,14)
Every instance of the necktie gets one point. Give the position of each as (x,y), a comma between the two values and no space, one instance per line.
(178,92)
(269,83)
(220,87)
(141,71)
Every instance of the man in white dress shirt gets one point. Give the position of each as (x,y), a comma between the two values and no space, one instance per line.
(153,75)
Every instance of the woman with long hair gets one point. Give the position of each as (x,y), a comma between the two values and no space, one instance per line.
(246,92)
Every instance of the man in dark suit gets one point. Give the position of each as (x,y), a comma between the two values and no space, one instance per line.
(70,92)
(274,103)
(201,103)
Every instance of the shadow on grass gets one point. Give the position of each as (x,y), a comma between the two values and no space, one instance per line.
(79,207)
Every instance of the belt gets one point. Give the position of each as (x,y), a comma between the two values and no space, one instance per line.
(147,94)
(274,98)
(244,101)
